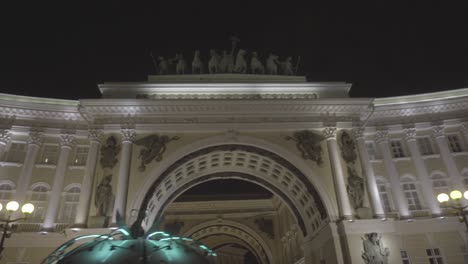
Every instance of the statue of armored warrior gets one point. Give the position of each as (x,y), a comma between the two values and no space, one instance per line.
(163,65)
(374,251)
(104,198)
(256,65)
(227,62)
(197,64)
(271,64)
(287,67)
(180,66)
(240,65)
(214,63)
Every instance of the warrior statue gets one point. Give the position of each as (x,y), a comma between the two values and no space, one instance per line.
(287,67)
(180,66)
(271,64)
(240,65)
(227,62)
(214,63)
(374,251)
(255,64)
(197,64)
(163,65)
(104,198)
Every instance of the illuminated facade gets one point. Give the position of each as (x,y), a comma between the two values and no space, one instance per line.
(338,167)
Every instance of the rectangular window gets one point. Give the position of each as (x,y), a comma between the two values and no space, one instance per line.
(372,151)
(454,143)
(49,154)
(425,146)
(440,186)
(17,152)
(404,257)
(384,197)
(411,195)
(81,154)
(397,149)
(434,256)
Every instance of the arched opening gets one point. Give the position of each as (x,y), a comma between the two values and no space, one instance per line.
(242,162)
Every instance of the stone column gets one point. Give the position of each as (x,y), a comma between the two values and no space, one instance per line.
(447,156)
(368,169)
(53,206)
(128,135)
(344,205)
(421,170)
(398,195)
(464,129)
(34,143)
(82,213)
(5,136)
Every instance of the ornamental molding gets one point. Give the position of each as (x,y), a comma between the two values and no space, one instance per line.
(358,133)
(464,128)
(128,135)
(5,136)
(438,131)
(35,138)
(329,132)
(95,135)
(410,134)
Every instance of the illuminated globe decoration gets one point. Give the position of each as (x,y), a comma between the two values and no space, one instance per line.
(121,247)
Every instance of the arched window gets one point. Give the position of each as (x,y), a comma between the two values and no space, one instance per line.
(384,195)
(6,190)
(411,193)
(39,197)
(440,183)
(70,204)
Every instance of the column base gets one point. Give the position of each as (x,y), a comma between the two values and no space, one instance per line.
(379,216)
(45,230)
(76,225)
(349,218)
(406,217)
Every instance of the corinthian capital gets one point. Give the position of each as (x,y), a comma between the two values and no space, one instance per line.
(358,133)
(438,131)
(35,138)
(410,134)
(67,140)
(381,135)
(128,134)
(464,128)
(5,136)
(329,132)
(95,135)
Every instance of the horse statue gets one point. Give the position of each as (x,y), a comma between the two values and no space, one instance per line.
(256,65)
(227,62)
(240,65)
(180,66)
(197,64)
(271,67)
(214,62)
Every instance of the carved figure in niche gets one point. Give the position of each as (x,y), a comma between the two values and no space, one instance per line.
(241,64)
(163,65)
(374,251)
(286,66)
(180,66)
(355,188)
(308,143)
(271,64)
(109,152)
(214,62)
(256,65)
(154,147)
(104,198)
(197,64)
(348,148)
(227,62)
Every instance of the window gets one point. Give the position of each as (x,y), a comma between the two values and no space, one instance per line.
(49,154)
(70,205)
(384,197)
(397,149)
(39,199)
(16,152)
(372,151)
(434,256)
(425,146)
(81,154)
(439,184)
(411,195)
(454,143)
(6,190)
(404,257)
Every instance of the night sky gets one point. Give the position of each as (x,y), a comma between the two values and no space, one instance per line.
(385,48)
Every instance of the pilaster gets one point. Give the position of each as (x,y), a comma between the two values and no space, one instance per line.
(34,143)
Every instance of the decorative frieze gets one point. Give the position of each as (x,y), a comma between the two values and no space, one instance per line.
(308,143)
(329,132)
(5,136)
(381,135)
(154,147)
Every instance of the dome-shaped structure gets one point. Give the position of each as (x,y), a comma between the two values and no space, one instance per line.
(119,247)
